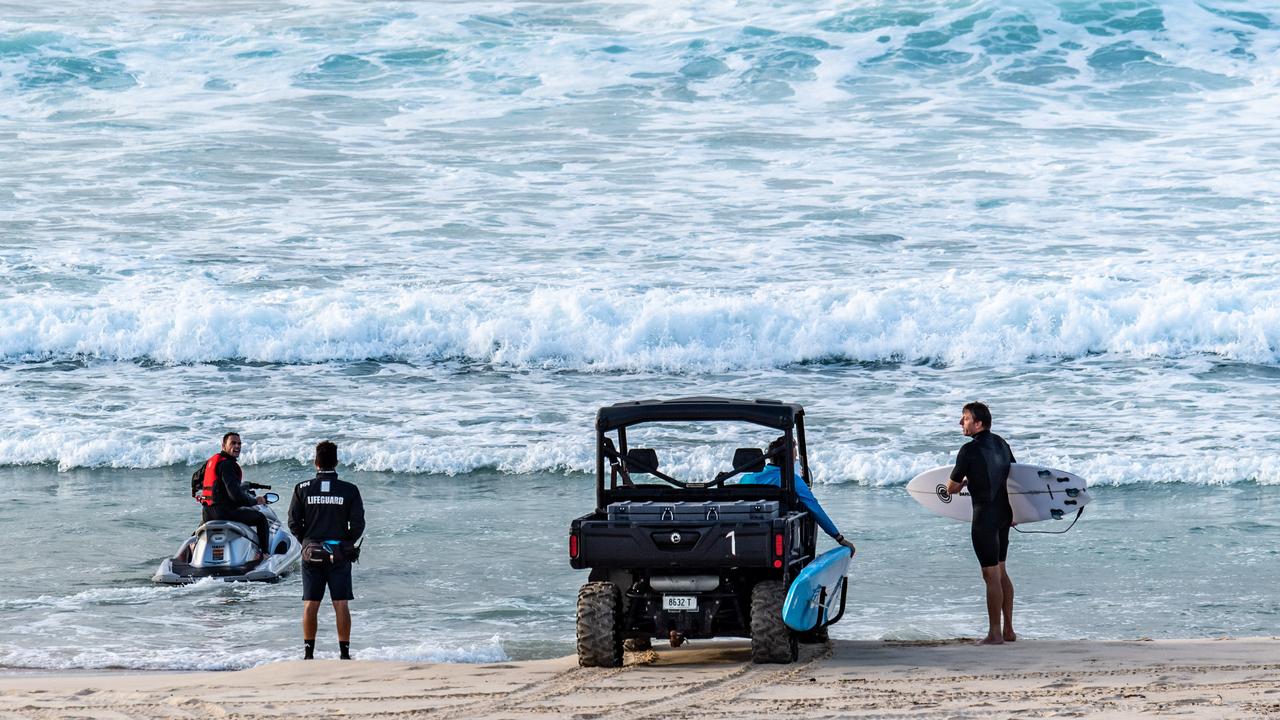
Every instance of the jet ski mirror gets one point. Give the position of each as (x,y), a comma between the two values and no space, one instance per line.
(272,497)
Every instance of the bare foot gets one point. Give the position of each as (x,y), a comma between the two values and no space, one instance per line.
(991,640)
(1010,636)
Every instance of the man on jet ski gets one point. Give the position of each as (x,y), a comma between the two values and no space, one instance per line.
(224,498)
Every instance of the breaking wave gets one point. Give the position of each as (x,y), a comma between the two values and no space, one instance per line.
(950,319)
(831,464)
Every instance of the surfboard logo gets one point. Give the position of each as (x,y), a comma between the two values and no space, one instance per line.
(943,495)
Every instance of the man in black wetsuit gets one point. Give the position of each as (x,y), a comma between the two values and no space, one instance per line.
(983,464)
(217,486)
(327,516)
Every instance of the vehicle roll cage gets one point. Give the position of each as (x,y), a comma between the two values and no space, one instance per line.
(786,417)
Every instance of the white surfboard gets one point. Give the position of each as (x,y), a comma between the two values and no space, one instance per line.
(1035,493)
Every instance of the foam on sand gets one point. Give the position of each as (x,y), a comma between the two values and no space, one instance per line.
(129,655)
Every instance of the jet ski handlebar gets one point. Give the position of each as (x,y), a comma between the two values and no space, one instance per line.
(256,486)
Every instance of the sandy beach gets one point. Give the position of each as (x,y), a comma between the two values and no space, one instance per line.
(951,679)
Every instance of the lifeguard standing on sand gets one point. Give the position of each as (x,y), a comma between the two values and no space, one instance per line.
(327,515)
(983,464)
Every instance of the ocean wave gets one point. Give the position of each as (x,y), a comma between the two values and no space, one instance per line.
(689,53)
(72,450)
(950,319)
(830,464)
(97,597)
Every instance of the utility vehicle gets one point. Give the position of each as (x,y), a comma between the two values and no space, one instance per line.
(675,558)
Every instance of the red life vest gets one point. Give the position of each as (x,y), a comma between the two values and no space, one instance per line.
(210,477)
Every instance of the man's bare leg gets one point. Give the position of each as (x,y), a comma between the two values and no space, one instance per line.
(995,604)
(343,613)
(310,613)
(1006,586)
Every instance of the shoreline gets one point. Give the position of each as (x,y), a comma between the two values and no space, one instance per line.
(912,679)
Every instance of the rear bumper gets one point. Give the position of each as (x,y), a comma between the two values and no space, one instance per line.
(724,612)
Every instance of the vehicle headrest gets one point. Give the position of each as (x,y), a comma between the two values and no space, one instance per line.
(642,460)
(752,455)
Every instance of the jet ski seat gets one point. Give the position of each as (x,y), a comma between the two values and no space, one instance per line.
(229,526)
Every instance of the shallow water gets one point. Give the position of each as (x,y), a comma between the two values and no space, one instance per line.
(475,568)
(443,236)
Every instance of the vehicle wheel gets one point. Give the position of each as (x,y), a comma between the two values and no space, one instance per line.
(771,640)
(637,644)
(815,637)
(599,625)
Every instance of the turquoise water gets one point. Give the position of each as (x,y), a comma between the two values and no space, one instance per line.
(444,235)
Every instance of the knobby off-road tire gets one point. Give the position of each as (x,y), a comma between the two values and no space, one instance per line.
(771,640)
(599,625)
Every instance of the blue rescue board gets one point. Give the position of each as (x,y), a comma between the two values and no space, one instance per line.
(817,594)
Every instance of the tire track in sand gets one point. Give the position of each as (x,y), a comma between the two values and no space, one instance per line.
(558,685)
(544,697)
(713,692)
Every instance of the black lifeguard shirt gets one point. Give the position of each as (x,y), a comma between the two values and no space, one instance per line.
(326,508)
(985,460)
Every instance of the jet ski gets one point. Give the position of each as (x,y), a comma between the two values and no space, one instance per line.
(225,550)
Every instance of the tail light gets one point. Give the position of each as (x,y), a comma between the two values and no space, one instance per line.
(777,550)
(573,545)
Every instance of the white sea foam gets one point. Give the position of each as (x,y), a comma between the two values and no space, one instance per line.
(667,330)
(136,595)
(830,464)
(429,651)
(52,656)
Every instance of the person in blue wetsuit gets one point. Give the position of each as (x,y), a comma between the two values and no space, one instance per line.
(772,475)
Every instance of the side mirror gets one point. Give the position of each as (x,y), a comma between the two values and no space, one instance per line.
(272,498)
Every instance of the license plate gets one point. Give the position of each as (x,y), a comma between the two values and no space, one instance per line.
(680,602)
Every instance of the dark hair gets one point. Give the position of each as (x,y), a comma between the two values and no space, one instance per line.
(980,412)
(326,455)
(229,435)
(777,444)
